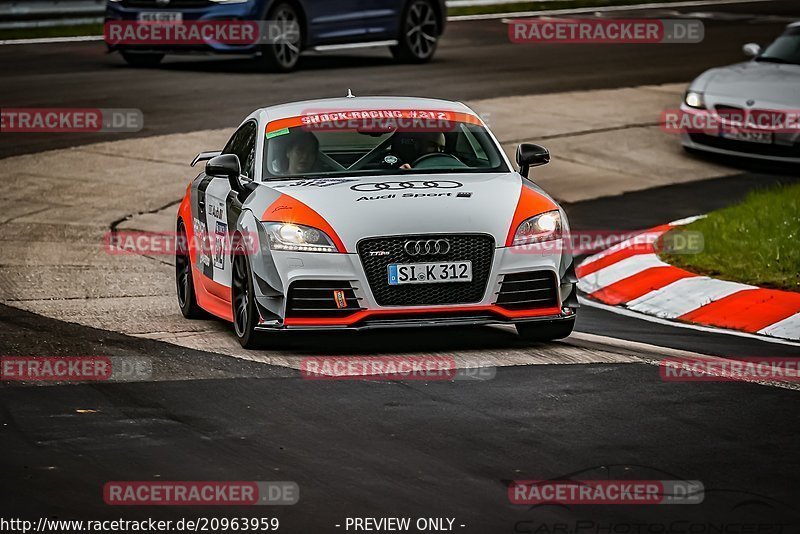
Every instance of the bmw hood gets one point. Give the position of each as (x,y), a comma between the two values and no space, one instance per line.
(356,208)
(762,82)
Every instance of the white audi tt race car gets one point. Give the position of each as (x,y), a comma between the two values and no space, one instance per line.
(367,212)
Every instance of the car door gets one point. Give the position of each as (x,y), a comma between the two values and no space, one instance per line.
(220,209)
(381,18)
(331,22)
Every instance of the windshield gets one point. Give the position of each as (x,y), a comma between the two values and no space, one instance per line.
(785,49)
(375,148)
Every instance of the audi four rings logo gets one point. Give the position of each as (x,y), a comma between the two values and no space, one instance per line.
(410,184)
(427,247)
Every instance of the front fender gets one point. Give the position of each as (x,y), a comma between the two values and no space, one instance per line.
(267,283)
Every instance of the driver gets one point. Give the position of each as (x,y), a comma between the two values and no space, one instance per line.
(302,149)
(411,147)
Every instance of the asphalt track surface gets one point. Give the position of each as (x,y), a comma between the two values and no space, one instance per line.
(475,60)
(417,449)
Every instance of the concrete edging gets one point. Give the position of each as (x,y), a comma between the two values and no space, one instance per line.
(630,275)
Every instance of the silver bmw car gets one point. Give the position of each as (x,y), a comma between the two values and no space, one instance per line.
(750,109)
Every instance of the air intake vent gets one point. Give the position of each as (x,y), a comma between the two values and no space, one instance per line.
(321,298)
(527,291)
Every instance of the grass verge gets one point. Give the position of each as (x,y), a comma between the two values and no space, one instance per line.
(754,242)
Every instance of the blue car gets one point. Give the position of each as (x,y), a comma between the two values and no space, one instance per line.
(410,28)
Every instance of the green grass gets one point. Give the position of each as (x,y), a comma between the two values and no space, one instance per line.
(56,31)
(755,242)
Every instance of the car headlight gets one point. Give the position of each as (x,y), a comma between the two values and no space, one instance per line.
(694,99)
(543,227)
(298,237)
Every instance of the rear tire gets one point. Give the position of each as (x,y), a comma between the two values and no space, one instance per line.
(245,314)
(143,59)
(419,33)
(187,299)
(283,56)
(545,330)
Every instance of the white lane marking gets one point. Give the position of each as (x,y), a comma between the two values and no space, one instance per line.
(685,295)
(577,10)
(639,240)
(50,40)
(708,329)
(487,16)
(785,328)
(687,220)
(618,271)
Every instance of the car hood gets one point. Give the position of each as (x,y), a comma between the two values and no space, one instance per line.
(762,82)
(406,204)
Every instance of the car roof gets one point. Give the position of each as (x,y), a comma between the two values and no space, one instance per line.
(296,109)
(793,24)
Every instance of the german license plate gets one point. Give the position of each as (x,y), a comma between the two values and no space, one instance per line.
(160,16)
(749,137)
(430,273)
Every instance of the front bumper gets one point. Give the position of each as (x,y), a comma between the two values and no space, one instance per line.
(294,267)
(116,11)
(785,147)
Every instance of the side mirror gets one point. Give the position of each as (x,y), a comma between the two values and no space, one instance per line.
(530,155)
(751,50)
(226,166)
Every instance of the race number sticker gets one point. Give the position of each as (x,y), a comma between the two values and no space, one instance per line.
(220,245)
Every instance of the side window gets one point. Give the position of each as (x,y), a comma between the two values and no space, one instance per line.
(243,144)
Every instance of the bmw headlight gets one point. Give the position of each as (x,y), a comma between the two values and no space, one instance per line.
(543,227)
(694,99)
(298,237)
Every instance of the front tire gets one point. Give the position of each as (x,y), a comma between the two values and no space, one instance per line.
(187,299)
(284,55)
(545,330)
(419,33)
(141,60)
(245,315)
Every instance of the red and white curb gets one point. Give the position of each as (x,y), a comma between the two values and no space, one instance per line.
(630,275)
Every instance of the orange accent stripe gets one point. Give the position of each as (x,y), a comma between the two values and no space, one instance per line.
(639,284)
(208,300)
(211,296)
(530,203)
(443,116)
(749,310)
(358,316)
(290,210)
